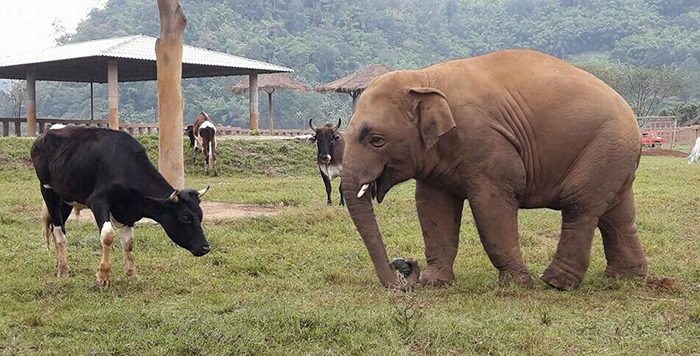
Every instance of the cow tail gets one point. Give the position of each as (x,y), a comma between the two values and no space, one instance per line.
(46,226)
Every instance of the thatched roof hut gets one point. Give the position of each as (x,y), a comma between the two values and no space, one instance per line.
(269,83)
(354,83)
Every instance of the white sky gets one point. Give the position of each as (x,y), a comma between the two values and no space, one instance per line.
(25,25)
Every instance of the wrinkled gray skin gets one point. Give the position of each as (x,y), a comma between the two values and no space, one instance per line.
(505,131)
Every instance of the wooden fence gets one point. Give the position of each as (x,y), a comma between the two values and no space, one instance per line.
(132,128)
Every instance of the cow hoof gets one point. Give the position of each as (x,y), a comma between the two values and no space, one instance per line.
(329,203)
(102,279)
(63,272)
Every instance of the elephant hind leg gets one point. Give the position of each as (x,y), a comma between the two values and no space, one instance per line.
(623,250)
(571,260)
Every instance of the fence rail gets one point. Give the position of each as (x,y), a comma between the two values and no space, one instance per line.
(132,128)
(679,135)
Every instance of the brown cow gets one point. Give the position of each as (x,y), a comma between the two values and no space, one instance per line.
(202,134)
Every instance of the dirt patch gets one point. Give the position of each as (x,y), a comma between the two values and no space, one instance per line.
(665,283)
(662,152)
(213,211)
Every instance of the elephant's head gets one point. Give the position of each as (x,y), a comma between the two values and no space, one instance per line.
(392,136)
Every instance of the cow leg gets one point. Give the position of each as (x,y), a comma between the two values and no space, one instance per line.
(101,212)
(327,183)
(340,190)
(56,208)
(213,155)
(205,150)
(127,234)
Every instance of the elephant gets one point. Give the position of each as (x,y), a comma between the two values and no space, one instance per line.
(508,130)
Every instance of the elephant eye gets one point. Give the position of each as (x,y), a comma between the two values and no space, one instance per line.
(377,141)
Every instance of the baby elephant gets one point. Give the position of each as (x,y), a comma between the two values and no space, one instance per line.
(509,130)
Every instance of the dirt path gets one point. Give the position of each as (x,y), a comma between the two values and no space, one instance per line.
(213,211)
(662,152)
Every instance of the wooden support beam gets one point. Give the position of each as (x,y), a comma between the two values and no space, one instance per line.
(113,94)
(253,101)
(31,102)
(170,105)
(269,113)
(6,128)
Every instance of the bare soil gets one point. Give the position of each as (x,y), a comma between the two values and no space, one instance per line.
(213,211)
(663,152)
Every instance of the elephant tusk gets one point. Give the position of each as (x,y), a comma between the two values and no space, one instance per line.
(363,190)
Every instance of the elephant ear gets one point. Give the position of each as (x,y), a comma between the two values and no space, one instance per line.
(433,113)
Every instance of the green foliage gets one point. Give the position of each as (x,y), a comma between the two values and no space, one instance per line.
(323,40)
(645,89)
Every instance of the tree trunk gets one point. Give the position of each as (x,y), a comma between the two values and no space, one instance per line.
(170,105)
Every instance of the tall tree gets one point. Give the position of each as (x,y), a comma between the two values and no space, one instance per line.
(18,95)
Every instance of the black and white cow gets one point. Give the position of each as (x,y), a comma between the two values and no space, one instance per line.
(109,172)
(329,141)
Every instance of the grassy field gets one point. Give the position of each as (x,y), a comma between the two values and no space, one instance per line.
(301,282)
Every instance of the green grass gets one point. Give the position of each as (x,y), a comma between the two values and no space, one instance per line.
(301,282)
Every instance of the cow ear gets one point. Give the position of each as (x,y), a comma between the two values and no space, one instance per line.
(311,139)
(433,113)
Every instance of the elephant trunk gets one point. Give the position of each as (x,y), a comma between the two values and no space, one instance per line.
(362,214)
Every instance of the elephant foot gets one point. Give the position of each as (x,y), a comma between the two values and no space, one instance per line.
(519,276)
(636,270)
(435,277)
(561,276)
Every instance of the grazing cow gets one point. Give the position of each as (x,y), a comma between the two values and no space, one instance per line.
(695,153)
(108,172)
(330,155)
(202,134)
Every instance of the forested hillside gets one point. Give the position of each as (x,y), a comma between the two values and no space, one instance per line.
(324,39)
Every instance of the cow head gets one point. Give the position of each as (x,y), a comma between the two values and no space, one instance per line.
(325,138)
(190,133)
(181,217)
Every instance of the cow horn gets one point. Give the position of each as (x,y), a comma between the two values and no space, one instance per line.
(173,197)
(336,127)
(311,124)
(203,191)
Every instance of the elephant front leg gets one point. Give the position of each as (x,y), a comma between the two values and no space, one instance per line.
(440,215)
(496,219)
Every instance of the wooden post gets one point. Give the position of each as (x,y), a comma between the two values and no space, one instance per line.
(170,105)
(355,95)
(269,113)
(6,128)
(31,102)
(113,94)
(92,103)
(253,101)
(18,128)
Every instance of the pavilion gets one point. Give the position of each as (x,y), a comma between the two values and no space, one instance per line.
(123,59)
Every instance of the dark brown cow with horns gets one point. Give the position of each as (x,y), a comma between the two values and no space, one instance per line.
(330,144)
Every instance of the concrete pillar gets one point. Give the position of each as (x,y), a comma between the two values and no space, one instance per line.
(113,94)
(253,101)
(31,102)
